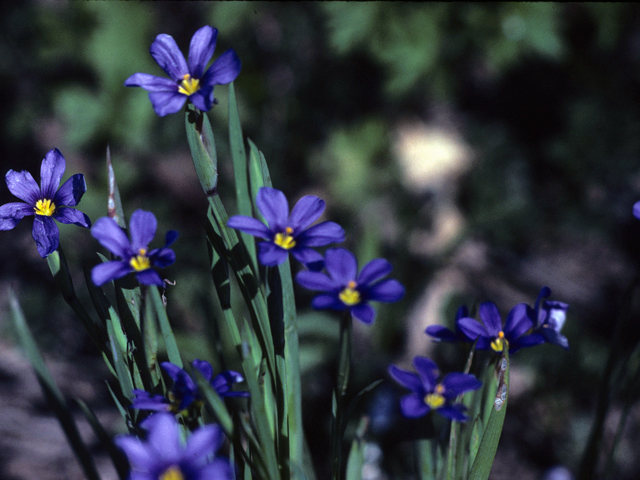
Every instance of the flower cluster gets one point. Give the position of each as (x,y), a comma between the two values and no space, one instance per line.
(163,457)
(46,202)
(184,392)
(525,326)
(188,80)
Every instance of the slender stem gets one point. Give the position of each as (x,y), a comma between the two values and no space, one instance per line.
(342,382)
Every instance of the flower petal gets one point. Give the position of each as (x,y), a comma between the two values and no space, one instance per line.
(204,441)
(22,185)
(274,208)
(327,301)
(490,316)
(458,383)
(249,225)
(166,103)
(270,254)
(439,332)
(71,191)
(137,452)
(518,322)
(151,83)
(341,265)
(309,258)
(322,234)
(363,312)
(204,368)
(72,216)
(45,233)
(162,257)
(203,98)
(389,290)
(149,277)
(224,70)
(428,372)
(219,469)
(203,44)
(407,379)
(453,412)
(472,328)
(172,370)
(112,237)
(145,401)
(108,271)
(374,270)
(51,172)
(142,229)
(413,406)
(316,281)
(305,212)
(12,213)
(165,51)
(163,436)
(636,210)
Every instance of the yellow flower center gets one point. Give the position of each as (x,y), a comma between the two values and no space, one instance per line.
(171,473)
(188,85)
(45,207)
(284,239)
(499,343)
(349,295)
(435,399)
(141,261)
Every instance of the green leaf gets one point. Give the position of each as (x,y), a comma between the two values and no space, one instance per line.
(203,149)
(54,396)
(481,467)
(153,299)
(356,454)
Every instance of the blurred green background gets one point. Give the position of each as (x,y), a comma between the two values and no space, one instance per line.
(484,149)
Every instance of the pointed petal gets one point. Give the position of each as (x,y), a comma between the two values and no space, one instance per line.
(490,316)
(364,312)
(204,368)
(71,191)
(309,258)
(270,254)
(203,98)
(389,290)
(51,172)
(137,452)
(150,277)
(407,379)
(413,406)
(22,185)
(166,103)
(636,210)
(341,265)
(170,237)
(322,234)
(108,271)
(172,370)
(327,301)
(165,51)
(142,229)
(274,208)
(219,469)
(45,233)
(112,237)
(438,332)
(162,258)
(305,212)
(203,44)
(250,225)
(163,436)
(12,213)
(472,328)
(453,412)
(72,216)
(151,83)
(224,70)
(518,322)
(428,371)
(374,270)
(204,441)
(458,383)
(316,281)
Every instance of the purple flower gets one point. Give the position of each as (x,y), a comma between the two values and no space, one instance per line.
(163,457)
(289,233)
(184,392)
(440,333)
(345,289)
(548,318)
(46,203)
(636,210)
(134,253)
(490,333)
(427,394)
(188,80)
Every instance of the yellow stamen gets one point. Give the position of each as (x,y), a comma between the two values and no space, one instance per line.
(188,85)
(284,239)
(434,400)
(141,261)
(171,473)
(349,295)
(45,207)
(499,343)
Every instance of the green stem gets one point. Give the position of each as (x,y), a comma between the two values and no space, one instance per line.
(344,370)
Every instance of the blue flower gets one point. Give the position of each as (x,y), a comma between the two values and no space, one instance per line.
(286,233)
(636,210)
(428,394)
(188,80)
(548,318)
(490,333)
(440,333)
(345,289)
(46,203)
(163,457)
(184,392)
(134,253)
